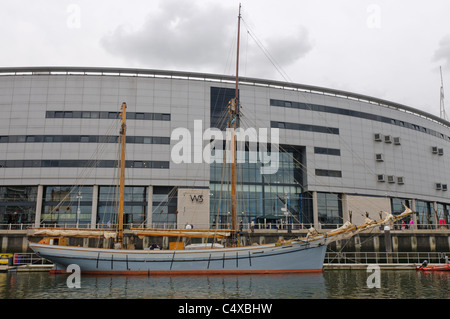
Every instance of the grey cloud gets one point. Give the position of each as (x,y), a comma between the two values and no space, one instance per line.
(283,50)
(190,35)
(443,52)
(179,34)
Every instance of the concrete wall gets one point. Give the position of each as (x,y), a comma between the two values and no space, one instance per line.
(193,208)
(399,241)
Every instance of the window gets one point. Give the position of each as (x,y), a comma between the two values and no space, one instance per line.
(346,112)
(61,204)
(107,115)
(305,127)
(329,208)
(328,172)
(391,179)
(327,151)
(379,157)
(380,177)
(397,140)
(377,137)
(113,115)
(17,205)
(400,180)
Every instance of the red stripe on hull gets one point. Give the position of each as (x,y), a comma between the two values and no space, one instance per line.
(192,272)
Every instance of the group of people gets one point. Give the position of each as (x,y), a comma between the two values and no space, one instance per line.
(409,225)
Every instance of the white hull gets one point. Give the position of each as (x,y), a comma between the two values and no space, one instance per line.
(292,257)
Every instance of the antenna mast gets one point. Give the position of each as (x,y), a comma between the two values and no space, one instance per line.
(443,115)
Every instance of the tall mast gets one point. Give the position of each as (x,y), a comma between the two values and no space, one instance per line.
(123,133)
(234,111)
(237,57)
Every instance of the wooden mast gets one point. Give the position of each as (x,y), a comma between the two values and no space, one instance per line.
(234,111)
(123,132)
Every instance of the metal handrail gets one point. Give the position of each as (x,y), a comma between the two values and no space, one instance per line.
(29,259)
(386,257)
(246,226)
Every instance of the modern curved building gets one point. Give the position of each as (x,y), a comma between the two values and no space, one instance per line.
(340,154)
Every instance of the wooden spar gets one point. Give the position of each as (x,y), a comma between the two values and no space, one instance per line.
(199,233)
(237,56)
(123,132)
(234,111)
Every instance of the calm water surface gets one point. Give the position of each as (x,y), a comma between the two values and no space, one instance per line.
(332,284)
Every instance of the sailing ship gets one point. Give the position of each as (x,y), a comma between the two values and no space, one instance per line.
(291,256)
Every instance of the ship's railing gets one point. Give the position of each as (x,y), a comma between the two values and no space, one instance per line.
(386,257)
(245,226)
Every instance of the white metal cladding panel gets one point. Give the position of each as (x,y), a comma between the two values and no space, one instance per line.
(24,100)
(412,159)
(99,93)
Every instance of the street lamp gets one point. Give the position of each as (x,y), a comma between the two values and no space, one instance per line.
(79,197)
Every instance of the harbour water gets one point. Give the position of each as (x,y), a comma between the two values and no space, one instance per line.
(331,284)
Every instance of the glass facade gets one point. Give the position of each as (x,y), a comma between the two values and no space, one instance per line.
(259,196)
(424,215)
(135,206)
(67,206)
(17,206)
(329,207)
(164,213)
(442,214)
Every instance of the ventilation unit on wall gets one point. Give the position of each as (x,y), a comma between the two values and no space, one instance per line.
(400,180)
(397,140)
(377,137)
(438,186)
(444,187)
(380,178)
(391,179)
(379,157)
(436,150)
(388,139)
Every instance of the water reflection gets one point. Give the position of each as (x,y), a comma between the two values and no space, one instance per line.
(328,285)
(394,284)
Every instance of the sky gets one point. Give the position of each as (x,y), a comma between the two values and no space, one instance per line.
(389,49)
